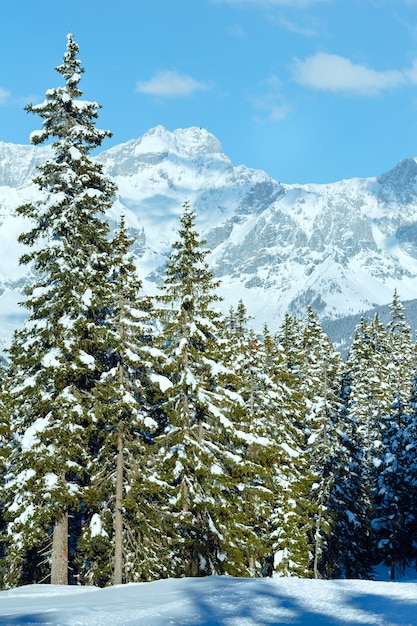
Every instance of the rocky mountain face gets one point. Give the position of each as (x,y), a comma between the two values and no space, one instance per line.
(342,247)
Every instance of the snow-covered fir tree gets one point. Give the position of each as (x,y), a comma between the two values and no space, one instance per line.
(306,521)
(380,366)
(196,444)
(402,354)
(370,397)
(60,354)
(321,391)
(285,462)
(291,546)
(120,541)
(255,445)
(349,549)
(394,518)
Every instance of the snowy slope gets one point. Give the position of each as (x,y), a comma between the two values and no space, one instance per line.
(215,601)
(342,247)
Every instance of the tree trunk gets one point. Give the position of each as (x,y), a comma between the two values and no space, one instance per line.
(59,556)
(118,514)
(317,546)
(392,572)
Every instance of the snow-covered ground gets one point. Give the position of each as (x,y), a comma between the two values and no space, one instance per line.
(215,601)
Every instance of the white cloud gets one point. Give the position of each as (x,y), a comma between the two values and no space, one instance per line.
(170,84)
(269,110)
(270,105)
(4,96)
(330,72)
(412,72)
(297,27)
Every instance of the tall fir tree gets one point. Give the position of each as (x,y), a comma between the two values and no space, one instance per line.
(59,355)
(291,546)
(402,359)
(306,525)
(370,397)
(349,550)
(394,519)
(247,363)
(321,391)
(120,540)
(194,447)
(368,403)
(281,409)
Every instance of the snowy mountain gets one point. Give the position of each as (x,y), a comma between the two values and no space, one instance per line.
(342,247)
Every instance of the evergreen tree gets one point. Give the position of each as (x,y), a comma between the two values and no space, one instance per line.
(255,441)
(349,552)
(395,495)
(59,355)
(306,526)
(394,518)
(120,539)
(410,470)
(370,397)
(291,545)
(321,391)
(290,340)
(193,449)
(368,403)
(402,359)
(282,424)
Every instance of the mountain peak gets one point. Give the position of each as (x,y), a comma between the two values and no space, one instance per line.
(400,184)
(193,141)
(159,144)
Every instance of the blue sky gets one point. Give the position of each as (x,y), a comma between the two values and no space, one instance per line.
(307,90)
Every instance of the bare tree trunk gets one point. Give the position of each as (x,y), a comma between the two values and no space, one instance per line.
(317,546)
(252,394)
(59,556)
(252,566)
(118,514)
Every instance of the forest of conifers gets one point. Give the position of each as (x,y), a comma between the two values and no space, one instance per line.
(151,437)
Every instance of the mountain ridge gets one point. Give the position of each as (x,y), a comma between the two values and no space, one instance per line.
(340,247)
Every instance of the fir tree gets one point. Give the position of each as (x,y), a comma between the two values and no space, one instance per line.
(370,397)
(395,494)
(394,519)
(290,519)
(368,403)
(349,552)
(193,450)
(120,542)
(255,441)
(307,521)
(290,339)
(59,355)
(402,359)
(321,390)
